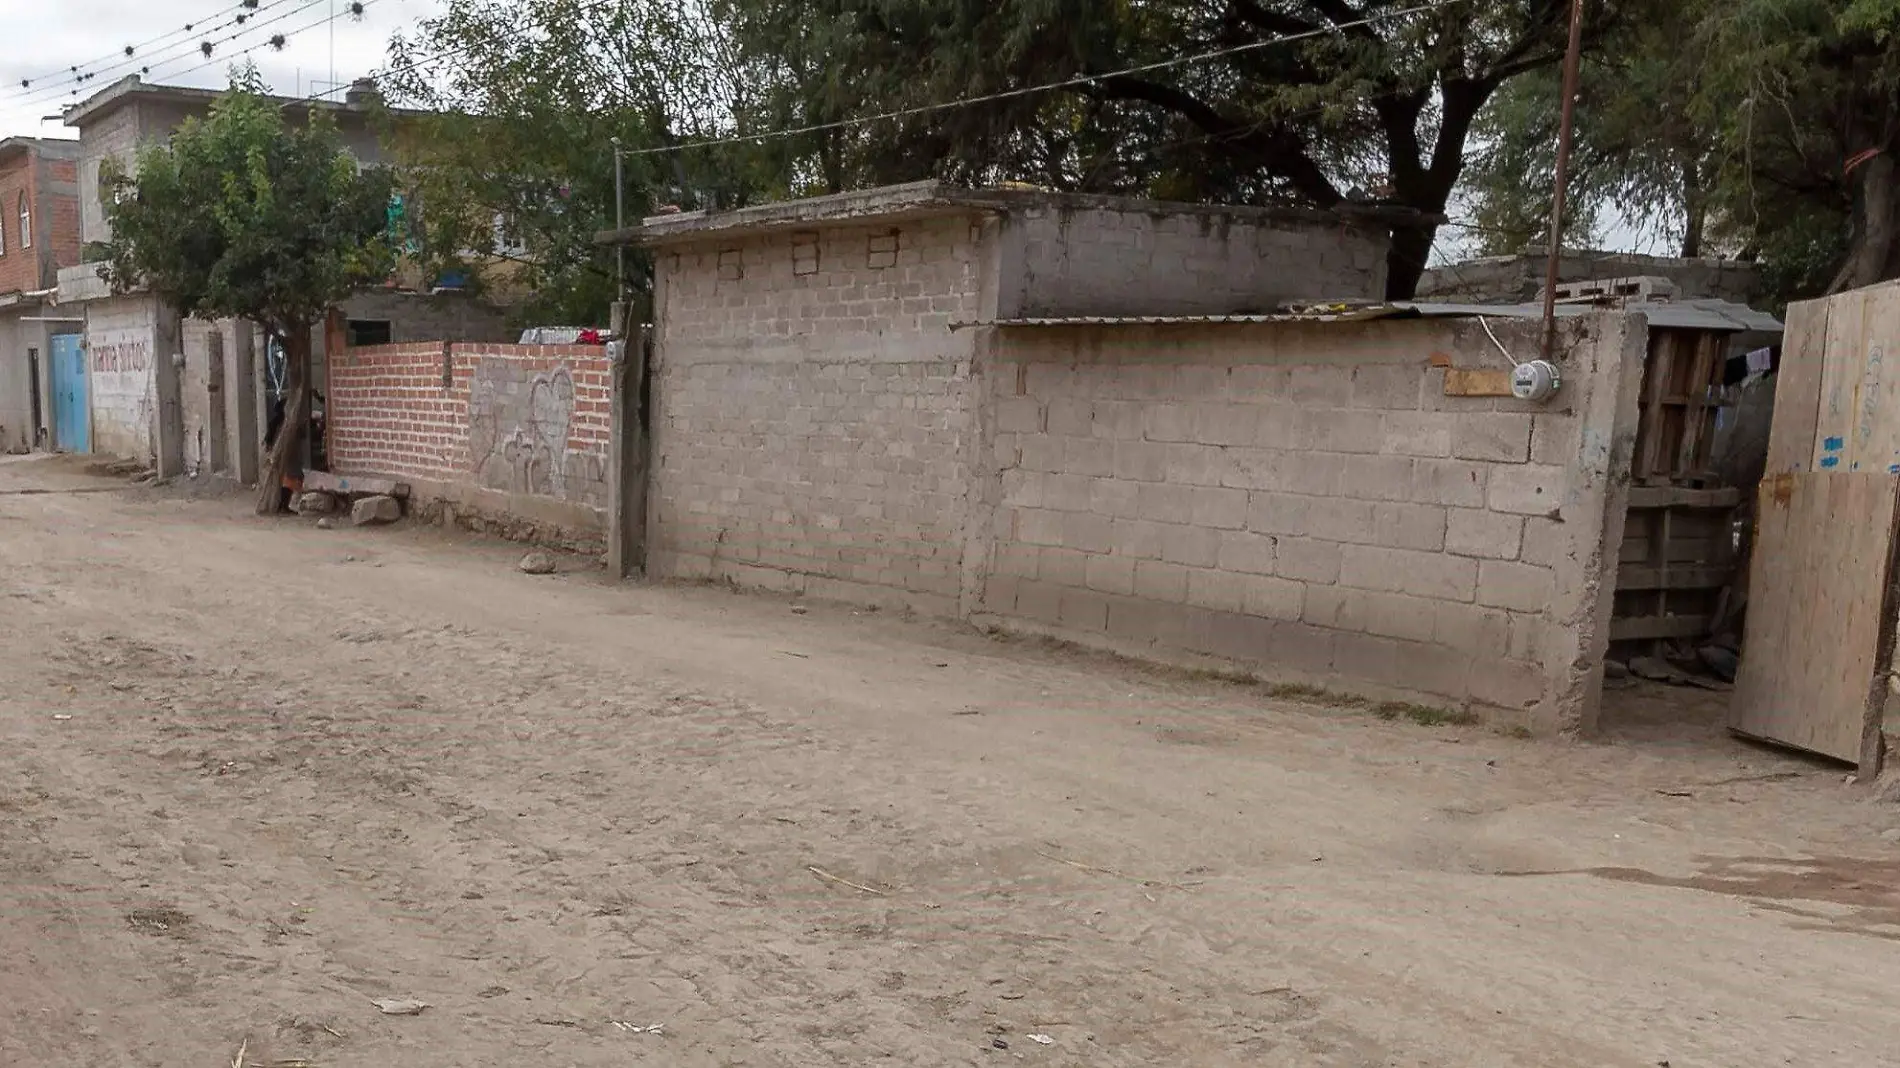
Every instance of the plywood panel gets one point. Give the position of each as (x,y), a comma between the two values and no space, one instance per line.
(1819,635)
(1875,441)
(1798,387)
(1842,366)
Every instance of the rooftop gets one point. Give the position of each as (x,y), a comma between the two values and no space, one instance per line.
(1709,314)
(132,88)
(933,198)
(64,148)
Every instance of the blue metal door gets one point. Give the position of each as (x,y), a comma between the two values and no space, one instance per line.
(72,418)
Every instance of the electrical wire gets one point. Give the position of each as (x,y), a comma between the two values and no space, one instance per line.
(138,57)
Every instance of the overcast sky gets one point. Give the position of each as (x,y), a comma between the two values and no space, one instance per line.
(46,43)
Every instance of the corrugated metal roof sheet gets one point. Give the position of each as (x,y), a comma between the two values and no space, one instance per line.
(1710,314)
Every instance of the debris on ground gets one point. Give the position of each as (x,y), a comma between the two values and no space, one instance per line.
(537,563)
(1722,663)
(799,609)
(636,1029)
(1041,1040)
(326,523)
(399,1006)
(371,510)
(316,502)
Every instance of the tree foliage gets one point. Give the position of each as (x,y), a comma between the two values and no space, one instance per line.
(526,99)
(1345,109)
(1765,128)
(243,214)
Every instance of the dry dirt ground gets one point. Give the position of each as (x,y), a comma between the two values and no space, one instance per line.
(254,775)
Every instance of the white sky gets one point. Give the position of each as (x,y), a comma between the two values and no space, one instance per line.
(46,39)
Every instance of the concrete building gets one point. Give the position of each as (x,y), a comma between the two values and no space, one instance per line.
(39,234)
(190,396)
(1092,418)
(1517,278)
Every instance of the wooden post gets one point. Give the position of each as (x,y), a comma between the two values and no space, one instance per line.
(627,468)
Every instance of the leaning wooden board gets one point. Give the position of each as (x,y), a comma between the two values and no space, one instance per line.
(1798,389)
(1819,640)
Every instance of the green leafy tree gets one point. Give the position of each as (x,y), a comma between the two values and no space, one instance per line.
(525,100)
(243,214)
(1766,128)
(1349,110)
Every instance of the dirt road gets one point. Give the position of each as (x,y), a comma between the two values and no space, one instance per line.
(254,775)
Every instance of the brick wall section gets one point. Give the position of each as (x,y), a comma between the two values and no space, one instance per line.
(815,417)
(46,181)
(1304,498)
(520,419)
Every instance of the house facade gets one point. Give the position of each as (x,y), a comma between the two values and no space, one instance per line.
(39,234)
(193,396)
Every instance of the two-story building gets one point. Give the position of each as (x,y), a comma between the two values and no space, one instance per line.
(39,234)
(190,395)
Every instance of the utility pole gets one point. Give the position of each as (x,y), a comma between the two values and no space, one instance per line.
(1572,61)
(620,223)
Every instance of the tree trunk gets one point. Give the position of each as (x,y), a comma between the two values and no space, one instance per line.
(1873,252)
(1406,262)
(288,447)
(1695,206)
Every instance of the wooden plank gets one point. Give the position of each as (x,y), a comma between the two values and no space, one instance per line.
(366,485)
(1677,497)
(1461,382)
(1798,387)
(1694,577)
(1692,454)
(1818,639)
(1648,627)
(1652,424)
(1875,441)
(1843,364)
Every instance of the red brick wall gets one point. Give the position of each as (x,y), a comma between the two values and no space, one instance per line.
(21,268)
(515,418)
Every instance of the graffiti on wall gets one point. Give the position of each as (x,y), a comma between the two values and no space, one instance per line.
(124,390)
(518,430)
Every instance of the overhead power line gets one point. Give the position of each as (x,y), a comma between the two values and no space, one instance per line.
(142,54)
(1066,83)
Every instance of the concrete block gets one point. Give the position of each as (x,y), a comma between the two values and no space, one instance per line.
(1277,513)
(999,594)
(1110,573)
(1552,437)
(1039,601)
(1306,559)
(369,511)
(1277,426)
(1247,553)
(1471,628)
(1417,667)
(1214,588)
(1324,386)
(1390,387)
(1191,546)
(1140,461)
(1019,415)
(1088,456)
(1341,430)
(1528,489)
(1067,493)
(1337,519)
(1546,541)
(1226,424)
(1507,683)
(1528,631)
(1323,605)
(1083,610)
(1164,503)
(1523,587)
(1376,478)
(1198,465)
(1366,567)
(1390,615)
(1458,483)
(1481,533)
(1088,532)
(1270,598)
(1220,509)
(1496,437)
(1232,635)
(1139,538)
(1168,421)
(1159,581)
(1118,420)
(1069,417)
(1038,526)
(1409,526)
(1063,567)
(1416,434)
(1018,561)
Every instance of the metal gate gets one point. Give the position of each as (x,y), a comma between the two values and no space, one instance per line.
(72,415)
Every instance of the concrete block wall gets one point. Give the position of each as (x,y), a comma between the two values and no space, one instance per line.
(815,417)
(1177,260)
(125,339)
(498,425)
(1304,499)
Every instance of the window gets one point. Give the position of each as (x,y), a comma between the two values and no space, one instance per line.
(369,332)
(26,223)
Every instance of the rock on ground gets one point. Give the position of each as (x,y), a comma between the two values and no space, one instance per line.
(537,563)
(316,502)
(376,510)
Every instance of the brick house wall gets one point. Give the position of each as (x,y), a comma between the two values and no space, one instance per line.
(1304,499)
(44,180)
(508,429)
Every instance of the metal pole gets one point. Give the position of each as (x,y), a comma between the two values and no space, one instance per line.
(620,223)
(1572,61)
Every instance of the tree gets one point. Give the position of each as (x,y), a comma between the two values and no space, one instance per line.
(245,215)
(525,99)
(1769,127)
(1382,108)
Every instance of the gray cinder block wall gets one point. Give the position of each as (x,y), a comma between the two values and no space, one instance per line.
(1304,499)
(832,416)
